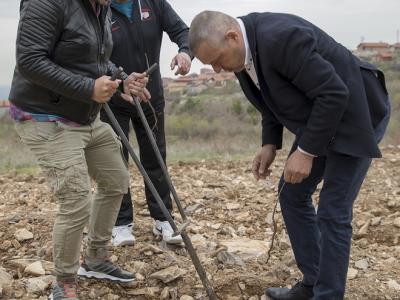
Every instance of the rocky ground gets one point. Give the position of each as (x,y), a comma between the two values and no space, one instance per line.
(231,229)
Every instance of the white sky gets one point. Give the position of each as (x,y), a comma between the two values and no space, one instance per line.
(346,20)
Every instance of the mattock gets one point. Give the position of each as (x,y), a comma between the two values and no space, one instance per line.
(182,228)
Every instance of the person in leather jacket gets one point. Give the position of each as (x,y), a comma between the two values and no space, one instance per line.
(61,79)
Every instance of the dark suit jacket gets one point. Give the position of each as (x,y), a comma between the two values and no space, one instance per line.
(313,86)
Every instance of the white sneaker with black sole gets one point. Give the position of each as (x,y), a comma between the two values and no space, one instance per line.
(105,270)
(164,229)
(122,235)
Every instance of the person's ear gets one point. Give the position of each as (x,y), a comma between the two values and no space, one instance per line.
(232,35)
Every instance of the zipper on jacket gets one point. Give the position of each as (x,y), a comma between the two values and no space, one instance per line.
(100,45)
(96,27)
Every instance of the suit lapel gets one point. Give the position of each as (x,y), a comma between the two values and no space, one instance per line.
(251,91)
(265,95)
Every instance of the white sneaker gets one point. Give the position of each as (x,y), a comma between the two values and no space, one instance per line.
(122,235)
(164,228)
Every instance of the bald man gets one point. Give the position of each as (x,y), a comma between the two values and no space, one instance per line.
(337,106)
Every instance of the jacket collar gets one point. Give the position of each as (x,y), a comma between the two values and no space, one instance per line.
(251,33)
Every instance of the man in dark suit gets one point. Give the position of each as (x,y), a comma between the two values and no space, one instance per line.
(337,106)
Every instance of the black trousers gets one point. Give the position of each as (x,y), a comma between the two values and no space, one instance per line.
(321,240)
(147,158)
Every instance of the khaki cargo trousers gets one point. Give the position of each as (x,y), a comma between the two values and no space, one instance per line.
(69,157)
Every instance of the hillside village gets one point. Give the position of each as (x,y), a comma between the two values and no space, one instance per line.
(377,52)
(194,83)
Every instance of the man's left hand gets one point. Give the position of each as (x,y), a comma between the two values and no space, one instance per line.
(183,61)
(298,167)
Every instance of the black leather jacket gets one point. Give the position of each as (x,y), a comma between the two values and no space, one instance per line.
(62,47)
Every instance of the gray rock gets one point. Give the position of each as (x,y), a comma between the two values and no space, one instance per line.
(229,259)
(186,297)
(23,235)
(396,222)
(269,219)
(246,248)
(351,273)
(192,208)
(392,284)
(35,269)
(38,284)
(241,230)
(5,280)
(164,294)
(151,248)
(173,293)
(232,206)
(364,229)
(139,277)
(169,274)
(22,263)
(376,221)
(361,264)
(6,245)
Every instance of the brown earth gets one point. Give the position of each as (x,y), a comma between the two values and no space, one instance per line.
(226,204)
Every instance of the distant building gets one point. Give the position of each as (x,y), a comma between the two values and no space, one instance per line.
(384,56)
(373,47)
(4,103)
(195,83)
(396,47)
(377,52)
(166,81)
(206,71)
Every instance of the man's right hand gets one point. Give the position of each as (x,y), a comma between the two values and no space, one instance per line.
(104,88)
(263,161)
(135,85)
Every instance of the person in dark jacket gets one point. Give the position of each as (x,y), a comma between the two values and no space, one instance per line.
(137,29)
(60,81)
(337,106)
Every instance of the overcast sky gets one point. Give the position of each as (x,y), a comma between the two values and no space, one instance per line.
(346,20)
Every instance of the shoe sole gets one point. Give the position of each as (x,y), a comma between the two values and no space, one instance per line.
(159,233)
(91,274)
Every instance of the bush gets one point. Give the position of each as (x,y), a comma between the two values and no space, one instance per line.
(190,105)
(237,107)
(187,126)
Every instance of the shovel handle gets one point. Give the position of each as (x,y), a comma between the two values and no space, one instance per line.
(117,74)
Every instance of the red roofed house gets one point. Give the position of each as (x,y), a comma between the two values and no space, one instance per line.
(4,103)
(377,47)
(384,56)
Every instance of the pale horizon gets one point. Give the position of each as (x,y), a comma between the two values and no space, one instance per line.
(348,21)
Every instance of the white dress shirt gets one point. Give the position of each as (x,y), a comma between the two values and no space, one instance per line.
(248,62)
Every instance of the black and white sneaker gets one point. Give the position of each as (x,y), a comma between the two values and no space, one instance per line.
(104,270)
(164,229)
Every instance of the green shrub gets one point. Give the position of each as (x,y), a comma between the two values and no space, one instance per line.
(237,107)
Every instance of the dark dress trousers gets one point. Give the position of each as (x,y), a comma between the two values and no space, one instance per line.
(338,108)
